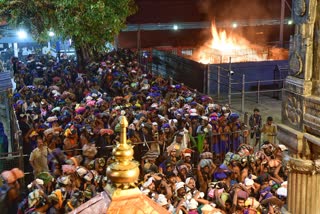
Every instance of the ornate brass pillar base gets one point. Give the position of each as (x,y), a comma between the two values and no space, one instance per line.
(304,170)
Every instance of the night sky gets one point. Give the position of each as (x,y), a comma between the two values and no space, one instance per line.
(169,11)
(154,11)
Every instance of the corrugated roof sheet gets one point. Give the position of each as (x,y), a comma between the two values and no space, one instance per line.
(5,81)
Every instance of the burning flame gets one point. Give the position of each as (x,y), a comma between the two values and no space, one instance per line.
(221,42)
(223,46)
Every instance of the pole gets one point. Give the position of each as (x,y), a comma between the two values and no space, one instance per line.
(218,78)
(246,118)
(283,4)
(138,39)
(116,42)
(139,42)
(15,49)
(208,79)
(21,164)
(229,83)
(258,92)
(246,122)
(243,92)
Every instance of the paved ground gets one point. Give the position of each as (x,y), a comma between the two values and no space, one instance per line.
(268,106)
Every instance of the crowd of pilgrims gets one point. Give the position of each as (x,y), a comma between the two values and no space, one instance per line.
(195,155)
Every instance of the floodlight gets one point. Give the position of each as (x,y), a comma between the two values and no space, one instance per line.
(51,33)
(22,34)
(234,25)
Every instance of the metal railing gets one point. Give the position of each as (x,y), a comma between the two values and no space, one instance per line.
(202,25)
(237,85)
(20,160)
(11,160)
(259,84)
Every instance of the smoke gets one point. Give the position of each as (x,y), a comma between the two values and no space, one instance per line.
(248,10)
(240,9)
(205,6)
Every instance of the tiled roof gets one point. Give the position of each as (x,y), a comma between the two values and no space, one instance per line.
(140,204)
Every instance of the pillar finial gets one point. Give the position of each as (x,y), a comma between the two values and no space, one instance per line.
(124,171)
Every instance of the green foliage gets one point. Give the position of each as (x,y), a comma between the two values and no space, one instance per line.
(90,23)
(198,142)
(36,16)
(93,22)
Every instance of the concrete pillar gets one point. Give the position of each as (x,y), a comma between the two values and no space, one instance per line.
(116,42)
(15,49)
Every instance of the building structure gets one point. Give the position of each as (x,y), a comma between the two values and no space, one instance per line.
(300,130)
(7,121)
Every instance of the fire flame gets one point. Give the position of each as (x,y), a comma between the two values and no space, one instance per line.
(224,47)
(224,43)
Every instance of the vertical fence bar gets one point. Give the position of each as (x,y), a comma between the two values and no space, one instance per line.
(21,164)
(243,92)
(229,83)
(205,80)
(218,80)
(171,81)
(229,89)
(246,118)
(258,92)
(208,79)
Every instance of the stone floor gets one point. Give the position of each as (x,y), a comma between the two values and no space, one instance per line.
(268,106)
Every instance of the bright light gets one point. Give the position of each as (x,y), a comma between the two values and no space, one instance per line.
(234,25)
(22,34)
(290,22)
(51,33)
(175,27)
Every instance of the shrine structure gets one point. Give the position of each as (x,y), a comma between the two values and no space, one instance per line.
(300,128)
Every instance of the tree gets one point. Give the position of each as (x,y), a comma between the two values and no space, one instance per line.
(89,23)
